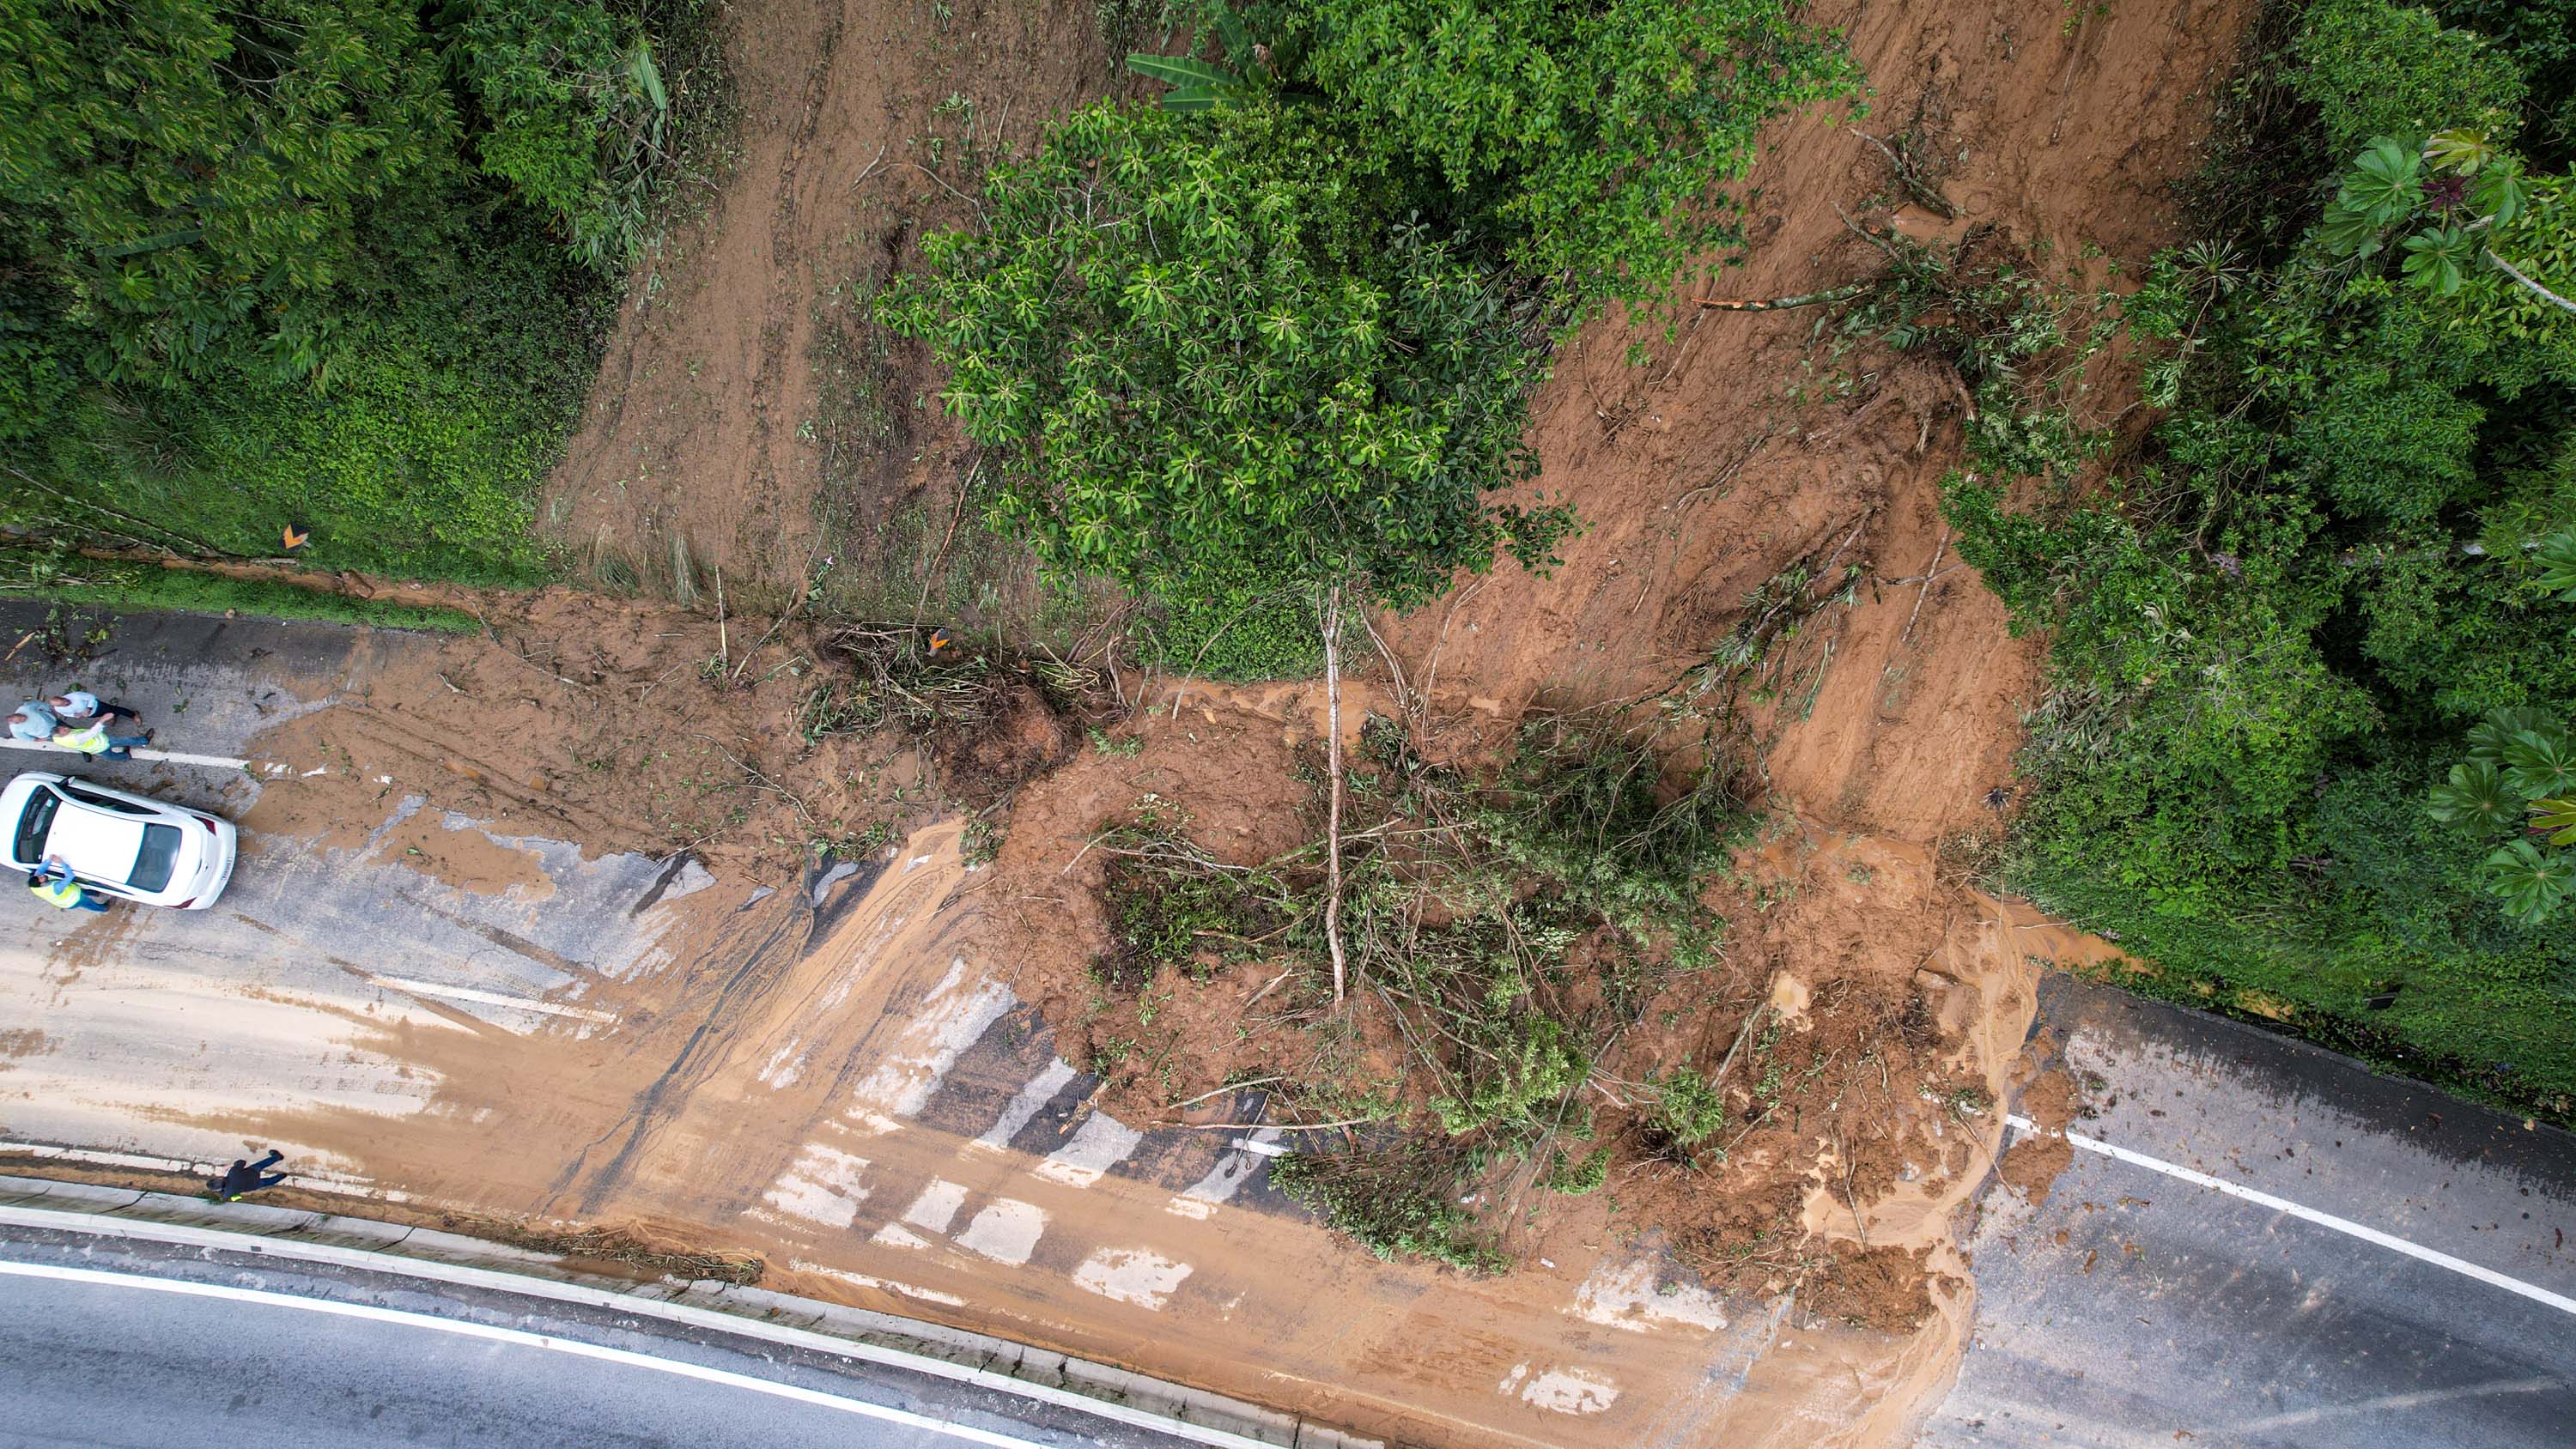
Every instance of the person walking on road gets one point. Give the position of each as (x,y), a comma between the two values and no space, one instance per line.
(52,883)
(245,1177)
(93,739)
(79,706)
(33,722)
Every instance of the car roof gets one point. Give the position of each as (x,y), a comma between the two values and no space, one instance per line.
(95,842)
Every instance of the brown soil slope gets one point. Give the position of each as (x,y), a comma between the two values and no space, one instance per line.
(1699,476)
(710,421)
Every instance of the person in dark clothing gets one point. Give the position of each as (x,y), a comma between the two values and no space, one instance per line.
(245,1177)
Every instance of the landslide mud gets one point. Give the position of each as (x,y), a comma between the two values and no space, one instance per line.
(770,1079)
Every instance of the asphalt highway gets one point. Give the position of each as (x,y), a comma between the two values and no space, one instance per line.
(2135,1308)
(115,1342)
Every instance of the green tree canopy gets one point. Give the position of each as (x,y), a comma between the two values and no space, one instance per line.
(1589,139)
(1205,365)
(190,180)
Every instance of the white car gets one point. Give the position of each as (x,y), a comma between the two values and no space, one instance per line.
(122,846)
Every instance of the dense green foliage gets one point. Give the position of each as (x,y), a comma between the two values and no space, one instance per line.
(1585,138)
(1279,338)
(1212,374)
(334,264)
(2281,627)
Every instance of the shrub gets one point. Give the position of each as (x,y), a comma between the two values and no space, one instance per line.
(1205,366)
(1590,140)
(2376,69)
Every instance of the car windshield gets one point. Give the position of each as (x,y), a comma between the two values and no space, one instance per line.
(34,822)
(160,852)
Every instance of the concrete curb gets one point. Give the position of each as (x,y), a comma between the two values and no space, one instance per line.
(927,1348)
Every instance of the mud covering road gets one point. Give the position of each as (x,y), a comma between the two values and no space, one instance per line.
(819,1074)
(829,1077)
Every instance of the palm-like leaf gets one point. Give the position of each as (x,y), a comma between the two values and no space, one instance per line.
(2386,181)
(2530,884)
(2475,795)
(2557,815)
(2540,764)
(2556,557)
(2437,259)
(1179,70)
(2489,736)
(2462,151)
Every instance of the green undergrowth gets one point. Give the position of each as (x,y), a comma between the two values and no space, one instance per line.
(1506,931)
(220,339)
(127,586)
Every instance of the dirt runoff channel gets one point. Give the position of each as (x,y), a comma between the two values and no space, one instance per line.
(875,1091)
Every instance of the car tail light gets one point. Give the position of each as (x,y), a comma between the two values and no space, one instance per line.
(183,905)
(210,827)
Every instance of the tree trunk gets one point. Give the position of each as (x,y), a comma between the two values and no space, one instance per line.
(1333,766)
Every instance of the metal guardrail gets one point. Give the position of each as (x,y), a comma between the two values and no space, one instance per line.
(955,1354)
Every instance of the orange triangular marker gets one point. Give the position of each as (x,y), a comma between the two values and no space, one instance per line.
(295,540)
(938,640)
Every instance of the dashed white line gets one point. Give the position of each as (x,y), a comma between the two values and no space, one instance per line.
(1099,1144)
(141,752)
(490,998)
(2301,1211)
(493,1333)
(2299,1417)
(1034,1094)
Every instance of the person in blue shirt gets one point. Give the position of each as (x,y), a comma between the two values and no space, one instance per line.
(34,721)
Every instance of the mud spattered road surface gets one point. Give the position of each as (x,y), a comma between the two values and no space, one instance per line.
(2133,1306)
(433,1010)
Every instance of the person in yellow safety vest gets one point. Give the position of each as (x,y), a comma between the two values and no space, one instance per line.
(53,884)
(93,739)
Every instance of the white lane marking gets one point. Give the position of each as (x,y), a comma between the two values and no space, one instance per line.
(1032,1096)
(896,1235)
(927,1295)
(785,1065)
(2418,1400)
(1562,1391)
(1131,1275)
(490,998)
(2488,1276)
(1634,1296)
(1006,1232)
(145,752)
(823,1187)
(717,1320)
(937,1206)
(1233,1169)
(951,1020)
(493,1333)
(1100,1143)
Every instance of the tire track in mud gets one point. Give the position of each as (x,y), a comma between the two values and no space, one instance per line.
(745,987)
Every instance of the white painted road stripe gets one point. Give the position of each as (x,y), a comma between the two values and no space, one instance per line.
(1099,1144)
(2460,1266)
(495,1334)
(490,998)
(1035,1094)
(2396,1403)
(146,752)
(525,1286)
